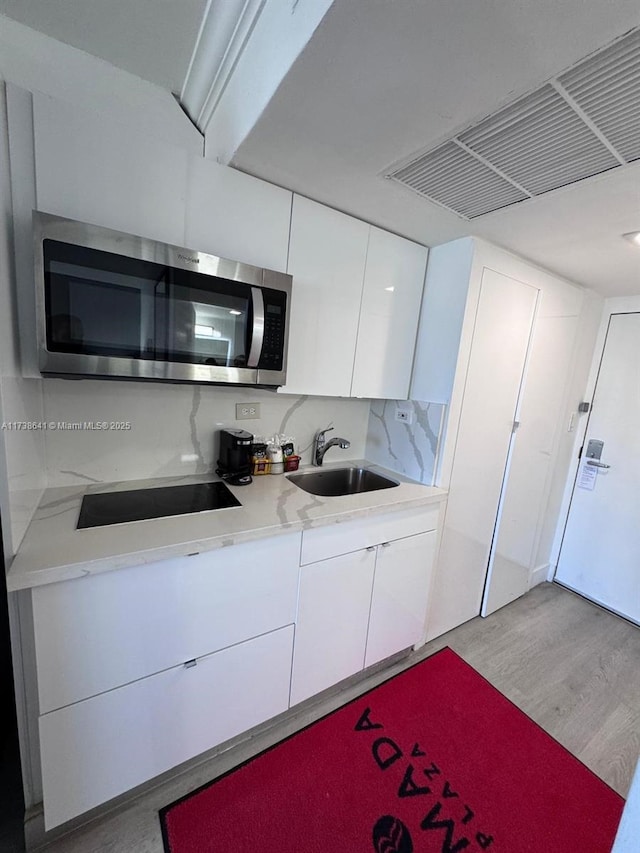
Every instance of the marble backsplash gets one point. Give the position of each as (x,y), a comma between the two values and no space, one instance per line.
(411,446)
(174,427)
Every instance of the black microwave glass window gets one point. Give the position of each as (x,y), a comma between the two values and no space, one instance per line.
(207,325)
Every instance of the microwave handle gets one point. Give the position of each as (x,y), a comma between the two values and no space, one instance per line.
(257,333)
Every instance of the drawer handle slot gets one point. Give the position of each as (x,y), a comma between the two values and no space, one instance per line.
(190,663)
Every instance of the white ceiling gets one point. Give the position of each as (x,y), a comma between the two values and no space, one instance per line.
(383,79)
(153,39)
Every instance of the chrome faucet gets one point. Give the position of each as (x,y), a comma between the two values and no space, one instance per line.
(321,445)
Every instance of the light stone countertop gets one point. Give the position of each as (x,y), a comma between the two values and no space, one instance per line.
(54,550)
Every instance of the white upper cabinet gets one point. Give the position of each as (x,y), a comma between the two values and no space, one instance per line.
(355,306)
(236,216)
(327,254)
(393,282)
(94,170)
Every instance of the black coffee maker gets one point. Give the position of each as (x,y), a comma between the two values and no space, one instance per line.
(235,462)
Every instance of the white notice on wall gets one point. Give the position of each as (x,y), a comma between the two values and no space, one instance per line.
(587,476)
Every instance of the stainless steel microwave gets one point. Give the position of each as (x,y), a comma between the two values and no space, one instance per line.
(111,304)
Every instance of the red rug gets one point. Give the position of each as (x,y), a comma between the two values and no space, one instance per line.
(435,760)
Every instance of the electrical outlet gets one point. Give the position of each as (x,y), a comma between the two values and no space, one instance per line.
(404,415)
(247,411)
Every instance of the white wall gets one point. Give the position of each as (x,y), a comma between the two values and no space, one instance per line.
(21,450)
(39,63)
(22,463)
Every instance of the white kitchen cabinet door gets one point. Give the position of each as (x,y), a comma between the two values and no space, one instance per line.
(494,375)
(98,632)
(401,586)
(94,170)
(393,284)
(100,748)
(333,614)
(327,255)
(237,216)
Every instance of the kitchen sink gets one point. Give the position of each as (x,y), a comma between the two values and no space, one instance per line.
(341,481)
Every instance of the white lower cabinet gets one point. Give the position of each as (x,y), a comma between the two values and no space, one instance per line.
(333,615)
(120,698)
(400,593)
(358,608)
(101,747)
(142,669)
(105,630)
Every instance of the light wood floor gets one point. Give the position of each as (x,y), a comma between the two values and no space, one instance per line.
(574,668)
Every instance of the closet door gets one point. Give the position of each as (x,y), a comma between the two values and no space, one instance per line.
(533,458)
(502,331)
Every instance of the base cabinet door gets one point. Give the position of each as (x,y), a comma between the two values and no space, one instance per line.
(400,593)
(103,746)
(333,615)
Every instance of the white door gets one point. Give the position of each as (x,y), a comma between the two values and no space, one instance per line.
(515,542)
(600,554)
(502,330)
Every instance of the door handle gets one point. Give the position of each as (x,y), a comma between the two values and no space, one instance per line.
(595,463)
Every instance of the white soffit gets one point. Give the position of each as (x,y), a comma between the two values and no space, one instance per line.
(581,124)
(225,30)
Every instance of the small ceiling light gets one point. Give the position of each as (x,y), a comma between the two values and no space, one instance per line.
(633,237)
(233,311)
(390,289)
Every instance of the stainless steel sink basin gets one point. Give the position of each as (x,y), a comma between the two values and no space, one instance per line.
(341,481)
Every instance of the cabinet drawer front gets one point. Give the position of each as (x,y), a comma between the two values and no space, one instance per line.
(106,630)
(104,746)
(325,542)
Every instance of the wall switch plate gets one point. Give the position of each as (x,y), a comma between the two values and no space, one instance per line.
(404,415)
(247,411)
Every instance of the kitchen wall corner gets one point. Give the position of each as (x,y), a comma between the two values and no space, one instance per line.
(410,446)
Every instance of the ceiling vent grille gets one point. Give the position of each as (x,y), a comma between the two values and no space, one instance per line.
(459,181)
(584,123)
(607,88)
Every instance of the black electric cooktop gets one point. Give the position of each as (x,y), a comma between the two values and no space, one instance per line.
(140,504)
